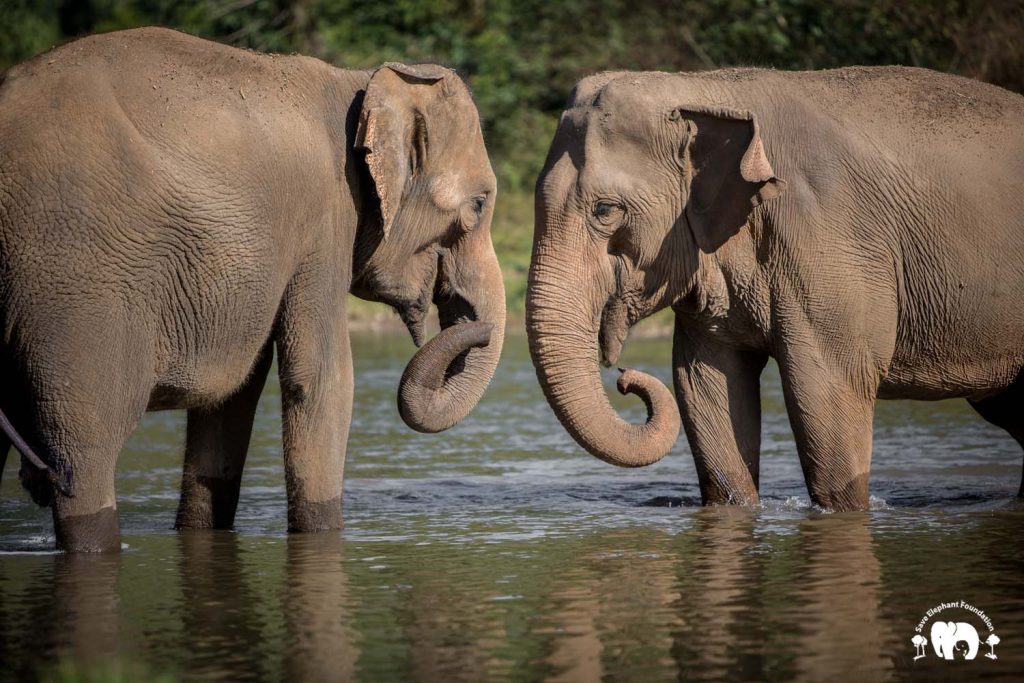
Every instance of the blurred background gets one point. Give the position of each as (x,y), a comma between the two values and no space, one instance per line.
(522,57)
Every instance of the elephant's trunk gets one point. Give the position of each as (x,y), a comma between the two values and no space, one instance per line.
(562,327)
(429,400)
(447,377)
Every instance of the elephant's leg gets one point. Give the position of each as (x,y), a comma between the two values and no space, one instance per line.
(216,446)
(5,447)
(832,421)
(719,395)
(1006,410)
(88,438)
(315,366)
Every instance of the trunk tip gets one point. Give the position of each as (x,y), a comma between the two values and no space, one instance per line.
(630,379)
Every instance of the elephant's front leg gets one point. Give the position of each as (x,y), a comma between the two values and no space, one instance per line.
(216,446)
(831,410)
(315,366)
(719,393)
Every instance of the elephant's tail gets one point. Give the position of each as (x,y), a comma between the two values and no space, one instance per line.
(59,479)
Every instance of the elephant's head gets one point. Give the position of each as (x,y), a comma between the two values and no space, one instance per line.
(430,242)
(636,184)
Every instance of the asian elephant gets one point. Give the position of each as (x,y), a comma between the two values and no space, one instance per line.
(862,226)
(172,210)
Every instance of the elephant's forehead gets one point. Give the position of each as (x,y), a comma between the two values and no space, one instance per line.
(615,155)
(595,152)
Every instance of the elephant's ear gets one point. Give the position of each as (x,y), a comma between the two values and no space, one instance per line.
(393,131)
(726,170)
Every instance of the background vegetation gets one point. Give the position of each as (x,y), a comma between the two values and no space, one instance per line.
(522,57)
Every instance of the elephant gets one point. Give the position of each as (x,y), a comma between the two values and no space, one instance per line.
(173,210)
(861,226)
(947,635)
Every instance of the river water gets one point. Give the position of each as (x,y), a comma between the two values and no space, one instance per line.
(500,550)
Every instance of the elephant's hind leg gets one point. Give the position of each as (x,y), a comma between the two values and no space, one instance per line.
(217,443)
(88,437)
(1006,410)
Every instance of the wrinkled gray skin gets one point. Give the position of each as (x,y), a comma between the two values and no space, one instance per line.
(172,209)
(861,226)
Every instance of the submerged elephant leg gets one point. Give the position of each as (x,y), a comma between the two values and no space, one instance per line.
(1006,410)
(832,421)
(88,520)
(216,446)
(83,415)
(719,395)
(315,367)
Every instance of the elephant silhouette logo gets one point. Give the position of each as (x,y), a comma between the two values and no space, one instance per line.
(954,639)
(949,638)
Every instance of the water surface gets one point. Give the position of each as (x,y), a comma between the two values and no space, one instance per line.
(500,550)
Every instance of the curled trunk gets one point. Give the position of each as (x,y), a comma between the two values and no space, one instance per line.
(433,397)
(446,378)
(563,345)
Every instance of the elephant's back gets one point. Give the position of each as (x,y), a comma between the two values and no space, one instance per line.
(124,140)
(131,186)
(901,107)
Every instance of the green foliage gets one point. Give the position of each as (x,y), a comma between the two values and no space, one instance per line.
(114,671)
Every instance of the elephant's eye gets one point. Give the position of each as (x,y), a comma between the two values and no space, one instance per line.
(472,212)
(607,216)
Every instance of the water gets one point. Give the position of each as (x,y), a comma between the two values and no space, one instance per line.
(500,550)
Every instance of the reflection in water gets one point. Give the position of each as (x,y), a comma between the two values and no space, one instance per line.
(841,574)
(499,550)
(219,607)
(738,595)
(720,577)
(321,643)
(86,615)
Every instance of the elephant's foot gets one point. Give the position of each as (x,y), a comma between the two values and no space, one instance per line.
(96,532)
(842,496)
(722,486)
(713,493)
(207,502)
(305,516)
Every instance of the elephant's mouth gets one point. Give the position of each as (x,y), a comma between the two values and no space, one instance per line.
(414,313)
(415,318)
(613,331)
(452,307)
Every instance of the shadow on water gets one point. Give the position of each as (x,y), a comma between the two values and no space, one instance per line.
(500,551)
